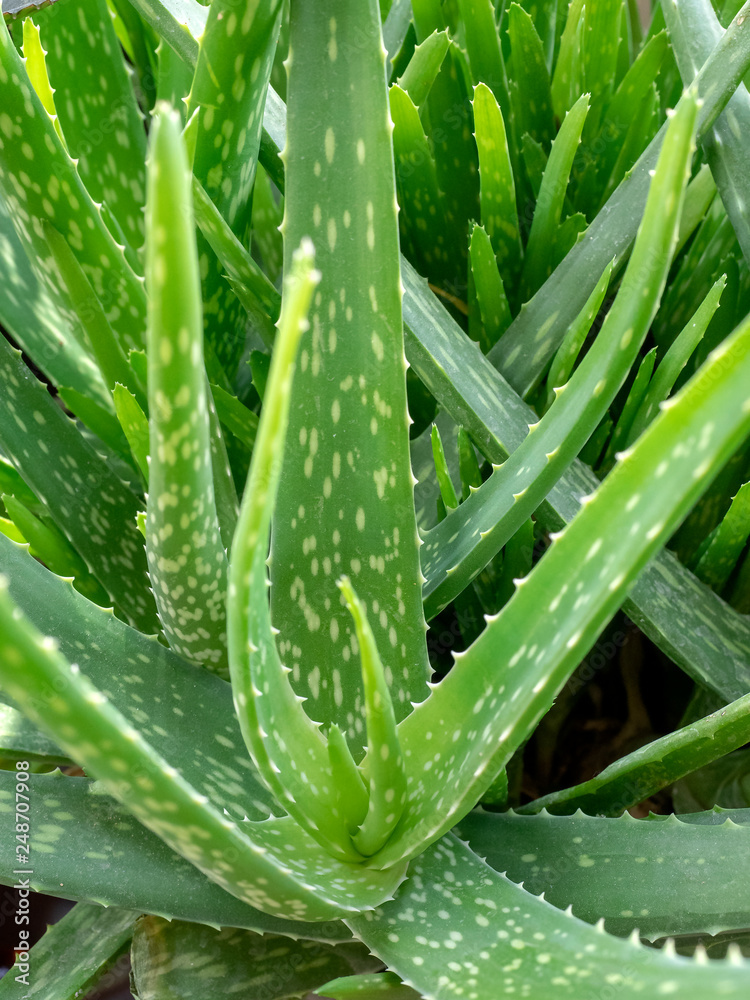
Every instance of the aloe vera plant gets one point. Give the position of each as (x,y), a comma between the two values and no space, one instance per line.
(220,603)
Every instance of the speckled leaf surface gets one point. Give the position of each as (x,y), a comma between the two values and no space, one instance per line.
(90,504)
(49,189)
(522,482)
(691,439)
(229,87)
(63,972)
(345,499)
(687,621)
(456,924)
(725,545)
(664,875)
(610,234)
(124,864)
(531,98)
(181,961)
(21,740)
(272,865)
(96,105)
(186,557)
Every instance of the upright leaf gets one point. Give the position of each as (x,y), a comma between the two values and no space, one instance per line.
(345,498)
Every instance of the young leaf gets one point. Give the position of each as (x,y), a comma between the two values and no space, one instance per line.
(489,289)
(727,542)
(530,91)
(424,65)
(187,562)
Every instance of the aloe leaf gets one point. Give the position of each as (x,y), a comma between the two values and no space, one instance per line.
(694,30)
(271,865)
(235,416)
(380,986)
(531,98)
(610,234)
(496,184)
(422,215)
(234,61)
(56,194)
(240,266)
(521,483)
(134,424)
(181,23)
(104,346)
(345,503)
(386,776)
(294,762)
(534,161)
(568,351)
(32,317)
(509,936)
(447,489)
(643,128)
(682,864)
(638,390)
(106,137)
(676,358)
(567,80)
(187,562)
(419,76)
(599,50)
(489,289)
(71,956)
(49,545)
(21,740)
(692,438)
(485,54)
(631,91)
(169,960)
(267,217)
(688,622)
(22,8)
(125,864)
(173,79)
(727,542)
(86,499)
(640,774)
(36,68)
(549,203)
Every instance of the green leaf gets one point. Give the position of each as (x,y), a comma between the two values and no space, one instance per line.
(692,438)
(186,557)
(531,98)
(419,76)
(564,293)
(549,203)
(447,489)
(641,774)
(134,423)
(727,542)
(98,113)
(688,622)
(21,740)
(485,54)
(567,79)
(72,955)
(229,87)
(497,188)
(56,194)
(482,525)
(125,864)
(177,959)
(662,875)
(635,397)
(676,358)
(568,351)
(271,865)
(383,986)
(694,30)
(345,503)
(489,289)
(422,211)
(87,500)
(508,936)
